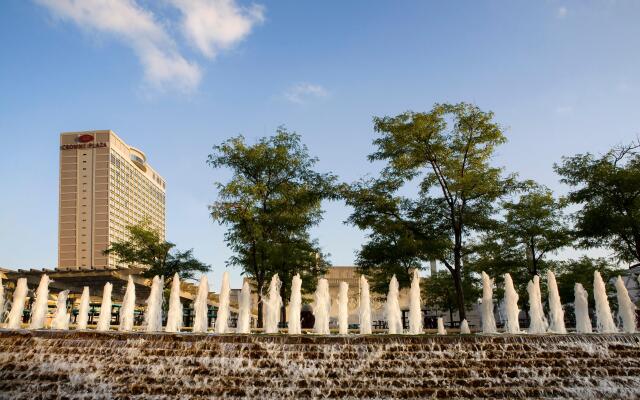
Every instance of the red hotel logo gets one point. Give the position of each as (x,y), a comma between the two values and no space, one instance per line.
(85,138)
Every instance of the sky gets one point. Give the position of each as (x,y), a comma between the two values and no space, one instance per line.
(175,77)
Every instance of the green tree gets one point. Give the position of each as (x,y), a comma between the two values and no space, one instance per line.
(269,204)
(608,189)
(581,271)
(146,248)
(439,292)
(447,152)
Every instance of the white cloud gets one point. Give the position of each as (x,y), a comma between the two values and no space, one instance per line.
(302,92)
(213,25)
(561,12)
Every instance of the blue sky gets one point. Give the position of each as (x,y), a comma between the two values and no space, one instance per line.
(175,77)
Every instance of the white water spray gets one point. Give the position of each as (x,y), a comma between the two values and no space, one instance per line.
(343,309)
(488,319)
(104,320)
(2,303)
(538,322)
(604,319)
(393,308)
(441,330)
(365,307)
(61,317)
(464,328)
(244,312)
(17,305)
(511,306)
(626,308)
(272,306)
(174,317)
(581,308)
(83,311)
(153,316)
(222,319)
(128,306)
(200,308)
(295,306)
(321,307)
(40,307)
(556,313)
(415,305)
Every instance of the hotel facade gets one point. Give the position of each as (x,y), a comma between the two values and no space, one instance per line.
(105,185)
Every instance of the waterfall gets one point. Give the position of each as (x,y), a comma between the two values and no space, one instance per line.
(61,317)
(174,317)
(153,316)
(415,305)
(392,308)
(365,307)
(128,306)
(244,312)
(464,327)
(41,305)
(538,322)
(321,307)
(604,320)
(343,309)
(626,308)
(581,307)
(200,308)
(556,313)
(272,306)
(488,319)
(83,312)
(104,320)
(441,330)
(14,320)
(511,306)
(295,304)
(222,319)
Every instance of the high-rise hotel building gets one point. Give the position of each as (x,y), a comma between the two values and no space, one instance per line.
(105,185)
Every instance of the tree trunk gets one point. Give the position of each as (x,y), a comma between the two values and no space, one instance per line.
(283,308)
(457,281)
(259,286)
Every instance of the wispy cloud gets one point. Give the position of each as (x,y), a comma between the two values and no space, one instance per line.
(303,92)
(561,12)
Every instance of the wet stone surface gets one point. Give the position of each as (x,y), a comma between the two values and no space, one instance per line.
(92,365)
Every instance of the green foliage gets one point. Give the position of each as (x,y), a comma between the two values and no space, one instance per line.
(570,272)
(439,292)
(608,189)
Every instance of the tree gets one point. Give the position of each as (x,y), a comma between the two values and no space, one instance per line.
(447,152)
(608,189)
(581,271)
(439,292)
(145,247)
(271,201)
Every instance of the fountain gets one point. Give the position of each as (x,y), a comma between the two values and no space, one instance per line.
(200,308)
(511,306)
(2,307)
(244,312)
(464,327)
(128,306)
(392,308)
(538,322)
(365,307)
(223,305)
(343,309)
(488,319)
(174,317)
(581,307)
(626,308)
(415,305)
(83,312)
(153,316)
(295,304)
(604,319)
(441,330)
(60,319)
(272,306)
(104,320)
(321,307)
(556,313)
(14,320)
(40,307)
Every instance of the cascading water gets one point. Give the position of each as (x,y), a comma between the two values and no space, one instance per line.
(441,330)
(128,306)
(295,305)
(511,306)
(392,308)
(343,309)
(272,306)
(581,307)
(415,305)
(41,305)
(626,308)
(17,305)
(244,312)
(174,317)
(83,312)
(556,313)
(200,308)
(321,307)
(223,305)
(60,319)
(153,316)
(365,307)
(104,320)
(488,319)
(538,322)
(604,319)
(464,327)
